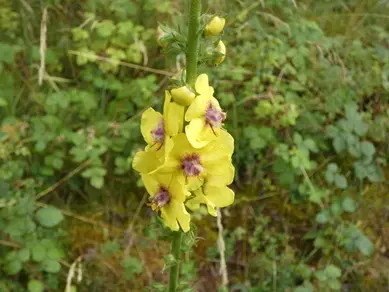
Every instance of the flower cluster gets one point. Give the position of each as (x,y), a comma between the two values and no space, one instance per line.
(187,160)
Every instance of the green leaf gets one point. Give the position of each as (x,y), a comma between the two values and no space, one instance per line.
(94,171)
(12,255)
(131,266)
(336,208)
(339,144)
(329,176)
(38,252)
(335,285)
(13,267)
(333,271)
(49,217)
(349,205)
(364,245)
(55,253)
(24,254)
(340,181)
(332,167)
(105,28)
(35,286)
(360,128)
(97,182)
(367,148)
(307,287)
(323,217)
(51,266)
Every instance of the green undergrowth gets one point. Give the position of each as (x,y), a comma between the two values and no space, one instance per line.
(306,88)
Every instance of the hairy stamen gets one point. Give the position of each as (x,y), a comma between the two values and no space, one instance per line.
(214,117)
(161,199)
(191,165)
(158,133)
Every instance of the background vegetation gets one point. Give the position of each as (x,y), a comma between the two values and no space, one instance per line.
(306,87)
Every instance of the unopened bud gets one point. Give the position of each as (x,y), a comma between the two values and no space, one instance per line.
(215,26)
(221,48)
(183,95)
(162,37)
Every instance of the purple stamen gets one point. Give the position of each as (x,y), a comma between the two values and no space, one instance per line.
(214,117)
(162,198)
(191,165)
(159,133)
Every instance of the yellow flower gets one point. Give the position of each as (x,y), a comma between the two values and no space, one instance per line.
(215,26)
(167,196)
(152,128)
(221,48)
(193,167)
(204,114)
(212,196)
(159,144)
(183,95)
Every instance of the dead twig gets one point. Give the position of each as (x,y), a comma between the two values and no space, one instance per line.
(124,64)
(222,248)
(61,181)
(43,46)
(131,226)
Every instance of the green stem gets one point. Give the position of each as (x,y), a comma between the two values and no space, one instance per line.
(174,269)
(191,76)
(193,42)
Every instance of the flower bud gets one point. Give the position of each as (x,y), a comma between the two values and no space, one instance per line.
(183,95)
(215,26)
(221,48)
(162,37)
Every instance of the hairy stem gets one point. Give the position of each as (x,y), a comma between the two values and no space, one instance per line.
(191,75)
(193,42)
(174,269)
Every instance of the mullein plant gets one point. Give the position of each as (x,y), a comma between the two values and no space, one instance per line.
(187,160)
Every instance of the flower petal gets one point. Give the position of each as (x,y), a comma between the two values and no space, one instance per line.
(168,98)
(219,196)
(198,108)
(220,174)
(174,119)
(150,121)
(193,183)
(199,134)
(183,95)
(182,215)
(151,184)
(169,218)
(145,161)
(177,190)
(194,203)
(202,85)
(173,212)
(223,145)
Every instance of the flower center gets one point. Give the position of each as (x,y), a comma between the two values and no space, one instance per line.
(214,117)
(159,133)
(162,198)
(191,165)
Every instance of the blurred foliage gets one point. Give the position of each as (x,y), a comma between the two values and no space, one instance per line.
(306,86)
